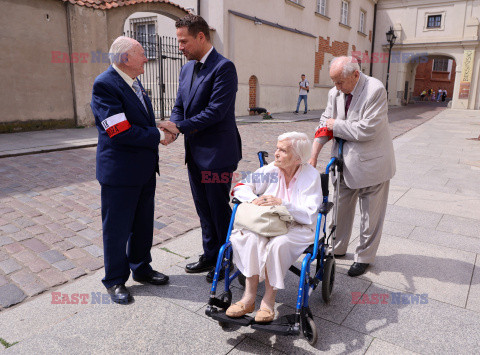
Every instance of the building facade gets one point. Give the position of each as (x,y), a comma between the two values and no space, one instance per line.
(271,43)
(431,35)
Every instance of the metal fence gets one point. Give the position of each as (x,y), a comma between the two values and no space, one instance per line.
(160,79)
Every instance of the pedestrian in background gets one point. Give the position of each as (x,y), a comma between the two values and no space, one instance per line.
(444,95)
(423,94)
(439,94)
(303,89)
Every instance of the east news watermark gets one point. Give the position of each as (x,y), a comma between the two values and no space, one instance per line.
(81,298)
(88,57)
(395,57)
(397,298)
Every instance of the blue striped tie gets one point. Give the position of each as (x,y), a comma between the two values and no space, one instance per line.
(139,93)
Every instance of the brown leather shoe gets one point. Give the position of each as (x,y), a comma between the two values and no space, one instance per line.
(238,309)
(264,315)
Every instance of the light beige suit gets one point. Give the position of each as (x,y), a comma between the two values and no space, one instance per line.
(369,163)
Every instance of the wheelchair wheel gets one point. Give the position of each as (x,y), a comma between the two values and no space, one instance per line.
(328,279)
(309,330)
(241,279)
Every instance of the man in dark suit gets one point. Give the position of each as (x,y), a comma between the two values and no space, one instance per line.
(204,112)
(127,160)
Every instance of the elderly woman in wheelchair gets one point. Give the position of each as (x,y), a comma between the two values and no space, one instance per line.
(290,182)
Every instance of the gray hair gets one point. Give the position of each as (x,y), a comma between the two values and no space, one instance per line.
(349,65)
(300,143)
(119,49)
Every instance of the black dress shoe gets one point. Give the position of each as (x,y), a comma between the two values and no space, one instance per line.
(154,278)
(339,255)
(221,276)
(202,265)
(357,269)
(120,294)
(211,274)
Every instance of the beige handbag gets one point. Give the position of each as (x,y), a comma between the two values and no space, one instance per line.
(267,221)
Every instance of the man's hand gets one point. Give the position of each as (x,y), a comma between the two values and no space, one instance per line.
(169,126)
(313,162)
(330,122)
(169,137)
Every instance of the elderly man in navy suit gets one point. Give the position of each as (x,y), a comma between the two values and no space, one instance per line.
(204,112)
(127,160)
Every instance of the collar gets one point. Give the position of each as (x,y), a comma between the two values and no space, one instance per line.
(124,76)
(206,55)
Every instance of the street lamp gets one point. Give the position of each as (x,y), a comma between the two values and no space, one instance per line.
(391,41)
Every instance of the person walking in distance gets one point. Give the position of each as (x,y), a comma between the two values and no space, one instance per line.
(303,89)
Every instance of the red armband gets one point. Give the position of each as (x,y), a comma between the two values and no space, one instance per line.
(116,124)
(324,132)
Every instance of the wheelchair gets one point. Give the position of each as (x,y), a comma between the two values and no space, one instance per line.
(301,322)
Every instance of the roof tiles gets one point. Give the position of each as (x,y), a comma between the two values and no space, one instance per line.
(108,4)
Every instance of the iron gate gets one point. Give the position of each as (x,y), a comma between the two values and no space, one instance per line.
(160,79)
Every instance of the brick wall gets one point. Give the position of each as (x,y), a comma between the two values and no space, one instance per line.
(336,49)
(252,100)
(425,78)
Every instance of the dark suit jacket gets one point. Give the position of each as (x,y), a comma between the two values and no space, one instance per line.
(127,151)
(205,113)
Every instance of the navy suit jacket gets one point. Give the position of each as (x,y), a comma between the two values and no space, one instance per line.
(127,151)
(205,113)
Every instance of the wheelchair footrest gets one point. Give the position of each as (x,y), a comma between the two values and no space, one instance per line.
(281,326)
(222,317)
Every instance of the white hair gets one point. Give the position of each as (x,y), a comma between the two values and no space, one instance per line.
(300,143)
(349,65)
(119,48)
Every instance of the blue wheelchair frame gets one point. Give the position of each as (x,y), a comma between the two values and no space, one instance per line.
(302,320)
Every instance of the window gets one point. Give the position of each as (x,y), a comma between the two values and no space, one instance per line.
(440,65)
(322,7)
(145,34)
(434,21)
(144,31)
(344,13)
(362,21)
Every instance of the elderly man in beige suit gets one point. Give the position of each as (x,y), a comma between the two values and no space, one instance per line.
(357,113)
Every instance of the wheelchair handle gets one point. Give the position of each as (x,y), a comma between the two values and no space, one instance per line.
(261,157)
(324,180)
(236,201)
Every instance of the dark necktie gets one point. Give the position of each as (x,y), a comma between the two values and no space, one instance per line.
(196,69)
(348,100)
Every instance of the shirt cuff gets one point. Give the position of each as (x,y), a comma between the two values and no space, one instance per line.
(162,134)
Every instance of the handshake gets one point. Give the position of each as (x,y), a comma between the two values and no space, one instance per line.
(171,131)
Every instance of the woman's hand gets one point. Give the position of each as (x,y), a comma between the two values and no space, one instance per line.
(267,200)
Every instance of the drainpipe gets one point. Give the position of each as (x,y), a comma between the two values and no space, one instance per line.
(198,7)
(72,72)
(373,36)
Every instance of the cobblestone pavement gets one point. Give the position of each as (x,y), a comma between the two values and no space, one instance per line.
(50,224)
